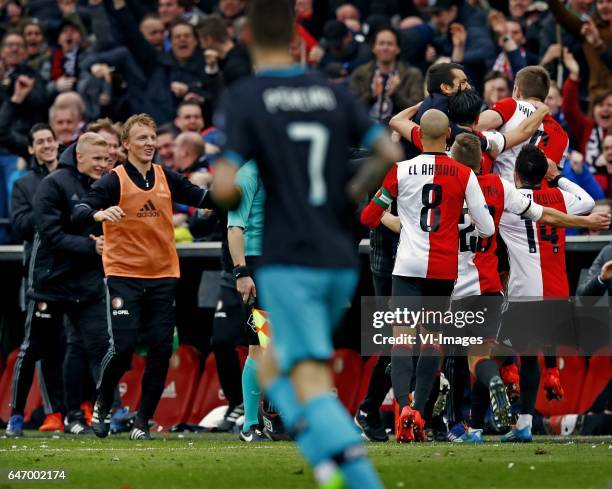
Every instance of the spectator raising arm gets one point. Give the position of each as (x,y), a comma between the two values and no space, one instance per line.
(12,140)
(143,52)
(101,27)
(575,171)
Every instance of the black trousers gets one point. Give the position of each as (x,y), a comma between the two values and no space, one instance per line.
(142,308)
(87,343)
(380,382)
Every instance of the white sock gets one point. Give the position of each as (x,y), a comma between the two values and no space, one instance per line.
(325,471)
(524,421)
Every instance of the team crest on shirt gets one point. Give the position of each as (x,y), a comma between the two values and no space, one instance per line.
(117,305)
(41,307)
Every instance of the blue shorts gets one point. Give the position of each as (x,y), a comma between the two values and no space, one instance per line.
(304,305)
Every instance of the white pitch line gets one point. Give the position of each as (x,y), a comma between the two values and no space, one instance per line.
(136,449)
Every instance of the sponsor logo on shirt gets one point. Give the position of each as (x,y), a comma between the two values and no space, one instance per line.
(148,210)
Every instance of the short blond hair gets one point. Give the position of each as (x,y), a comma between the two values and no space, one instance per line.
(466,149)
(142,119)
(105,125)
(90,139)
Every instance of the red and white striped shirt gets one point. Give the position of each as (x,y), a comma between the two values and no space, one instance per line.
(550,137)
(477,257)
(537,251)
(430,191)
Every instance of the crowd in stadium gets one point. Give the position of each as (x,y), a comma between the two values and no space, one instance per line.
(75,74)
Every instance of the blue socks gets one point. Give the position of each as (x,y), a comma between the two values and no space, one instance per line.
(326,435)
(330,435)
(251,393)
(282,396)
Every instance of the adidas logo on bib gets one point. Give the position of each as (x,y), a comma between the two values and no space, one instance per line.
(148,210)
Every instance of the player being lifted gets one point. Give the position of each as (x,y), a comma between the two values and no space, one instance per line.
(531,87)
(478,276)
(430,191)
(297,128)
(463,111)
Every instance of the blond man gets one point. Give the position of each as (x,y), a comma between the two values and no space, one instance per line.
(140,264)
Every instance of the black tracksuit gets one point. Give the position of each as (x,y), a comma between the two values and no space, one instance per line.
(22,225)
(139,305)
(65,281)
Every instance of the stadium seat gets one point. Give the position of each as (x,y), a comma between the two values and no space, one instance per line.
(130,385)
(366,374)
(243,353)
(209,394)
(34,397)
(347,367)
(572,369)
(181,383)
(598,375)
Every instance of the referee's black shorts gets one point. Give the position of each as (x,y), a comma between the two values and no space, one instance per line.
(232,324)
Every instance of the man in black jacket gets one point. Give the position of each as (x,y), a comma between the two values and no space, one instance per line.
(65,279)
(43,149)
(599,276)
(170,77)
(442,81)
(233,58)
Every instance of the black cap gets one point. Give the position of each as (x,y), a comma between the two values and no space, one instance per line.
(440,5)
(69,22)
(335,71)
(333,33)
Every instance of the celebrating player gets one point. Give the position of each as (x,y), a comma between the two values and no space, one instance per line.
(531,86)
(537,259)
(478,275)
(463,110)
(430,191)
(140,264)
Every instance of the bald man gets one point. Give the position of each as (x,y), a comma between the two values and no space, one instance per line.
(188,152)
(430,191)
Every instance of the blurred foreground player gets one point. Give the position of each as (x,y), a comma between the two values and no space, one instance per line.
(298,127)
(140,264)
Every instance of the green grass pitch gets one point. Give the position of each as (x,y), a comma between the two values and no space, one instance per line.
(214,461)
